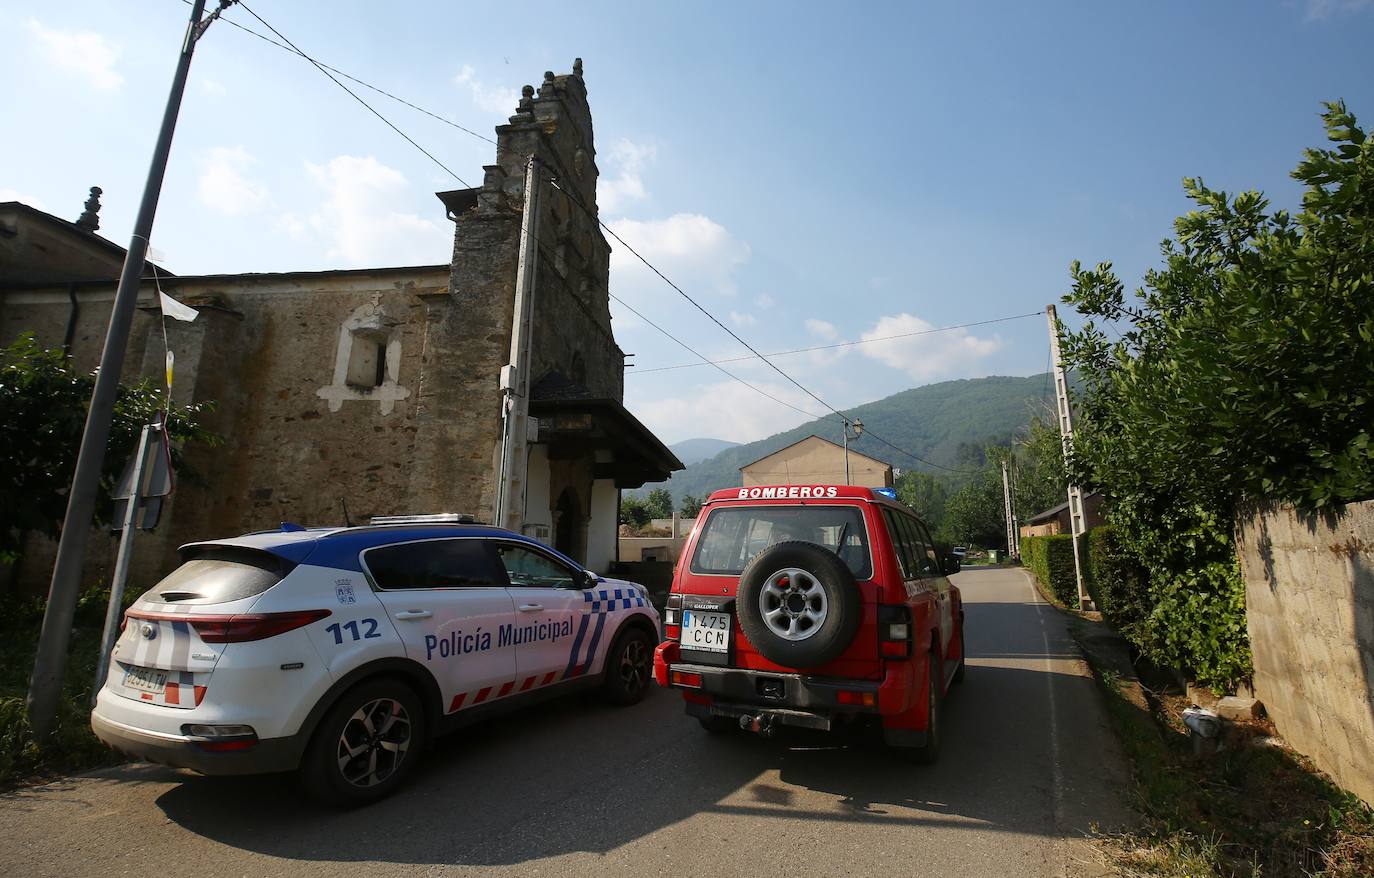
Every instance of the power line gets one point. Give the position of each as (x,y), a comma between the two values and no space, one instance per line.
(706,362)
(595,218)
(320,67)
(841,344)
(576,199)
(363,83)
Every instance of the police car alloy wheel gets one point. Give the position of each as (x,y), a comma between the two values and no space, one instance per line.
(366,744)
(628,667)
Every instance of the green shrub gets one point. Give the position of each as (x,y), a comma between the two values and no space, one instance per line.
(1117,584)
(1050,559)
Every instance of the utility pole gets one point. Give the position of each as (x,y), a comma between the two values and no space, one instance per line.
(1065,412)
(45,685)
(515,378)
(1006,505)
(844,431)
(129,524)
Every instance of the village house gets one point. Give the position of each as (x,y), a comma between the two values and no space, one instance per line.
(377,391)
(816,461)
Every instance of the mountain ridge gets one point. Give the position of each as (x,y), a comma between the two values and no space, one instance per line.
(933,421)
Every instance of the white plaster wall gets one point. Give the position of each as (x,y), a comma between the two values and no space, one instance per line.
(537,503)
(603,526)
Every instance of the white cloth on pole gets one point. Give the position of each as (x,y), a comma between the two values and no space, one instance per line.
(175,310)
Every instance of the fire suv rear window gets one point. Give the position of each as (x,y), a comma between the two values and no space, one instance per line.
(732,536)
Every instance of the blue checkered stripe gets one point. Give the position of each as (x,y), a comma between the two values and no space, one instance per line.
(607,599)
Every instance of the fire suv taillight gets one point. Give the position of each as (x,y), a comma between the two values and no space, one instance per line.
(672,618)
(894,630)
(685,678)
(862,699)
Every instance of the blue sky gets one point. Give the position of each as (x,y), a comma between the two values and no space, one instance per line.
(811,173)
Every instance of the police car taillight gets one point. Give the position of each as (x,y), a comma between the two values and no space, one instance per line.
(672,617)
(894,630)
(245,627)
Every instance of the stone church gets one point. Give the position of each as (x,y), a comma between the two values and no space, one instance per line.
(377,391)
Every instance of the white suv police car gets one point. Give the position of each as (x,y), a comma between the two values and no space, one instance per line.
(341,652)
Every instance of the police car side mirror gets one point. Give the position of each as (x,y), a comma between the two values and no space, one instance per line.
(588,579)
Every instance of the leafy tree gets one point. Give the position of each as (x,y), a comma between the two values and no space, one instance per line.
(659,503)
(690,507)
(634,512)
(43,402)
(1041,481)
(1243,372)
(925,494)
(975,514)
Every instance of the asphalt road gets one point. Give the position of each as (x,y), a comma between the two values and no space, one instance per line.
(573,788)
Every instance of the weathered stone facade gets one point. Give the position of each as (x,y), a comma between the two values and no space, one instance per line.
(1309,598)
(379,389)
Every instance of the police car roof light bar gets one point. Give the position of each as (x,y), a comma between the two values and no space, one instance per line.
(435,518)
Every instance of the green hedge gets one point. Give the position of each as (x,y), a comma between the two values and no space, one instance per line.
(1050,558)
(1118,586)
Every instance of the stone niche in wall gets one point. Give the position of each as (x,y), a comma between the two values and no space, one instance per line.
(367,361)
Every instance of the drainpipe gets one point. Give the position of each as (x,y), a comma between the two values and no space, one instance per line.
(71,320)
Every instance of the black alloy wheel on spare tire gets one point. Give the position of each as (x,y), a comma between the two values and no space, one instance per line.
(798,604)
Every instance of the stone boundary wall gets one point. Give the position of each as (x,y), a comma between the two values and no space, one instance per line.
(1309,591)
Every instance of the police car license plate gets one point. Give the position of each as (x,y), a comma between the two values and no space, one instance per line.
(708,632)
(145,679)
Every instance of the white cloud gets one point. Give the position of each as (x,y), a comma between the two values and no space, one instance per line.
(491,98)
(821,329)
(929,356)
(765,301)
(728,409)
(84,53)
(291,225)
(364,218)
(213,87)
(223,186)
(629,159)
(1320,10)
(698,253)
(742,319)
(16,195)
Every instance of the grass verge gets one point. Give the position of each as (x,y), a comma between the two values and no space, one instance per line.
(1253,809)
(72,746)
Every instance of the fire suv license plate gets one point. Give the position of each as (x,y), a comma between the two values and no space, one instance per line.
(145,680)
(708,632)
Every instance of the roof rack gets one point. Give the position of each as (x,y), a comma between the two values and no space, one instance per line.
(434,518)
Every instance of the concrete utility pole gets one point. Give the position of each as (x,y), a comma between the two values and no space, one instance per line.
(1061,390)
(1006,504)
(844,431)
(45,685)
(515,378)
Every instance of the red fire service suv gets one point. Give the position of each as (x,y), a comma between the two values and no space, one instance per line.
(821,606)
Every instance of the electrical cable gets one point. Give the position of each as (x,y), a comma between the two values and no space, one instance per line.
(351,78)
(354,95)
(575,199)
(842,344)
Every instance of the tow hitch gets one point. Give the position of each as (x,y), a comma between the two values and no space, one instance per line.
(760,725)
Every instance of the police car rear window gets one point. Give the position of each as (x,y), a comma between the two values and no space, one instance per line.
(732,536)
(219,574)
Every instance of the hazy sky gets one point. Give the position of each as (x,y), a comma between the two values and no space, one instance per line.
(810,172)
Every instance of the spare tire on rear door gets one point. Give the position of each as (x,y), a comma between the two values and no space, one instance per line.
(798,604)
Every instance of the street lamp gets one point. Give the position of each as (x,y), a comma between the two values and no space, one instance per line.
(858,427)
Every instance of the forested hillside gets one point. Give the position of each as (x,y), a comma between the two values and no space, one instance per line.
(947,423)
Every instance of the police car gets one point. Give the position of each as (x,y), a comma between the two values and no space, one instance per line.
(340,652)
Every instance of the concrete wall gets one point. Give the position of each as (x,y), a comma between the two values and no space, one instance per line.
(815,461)
(1309,588)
